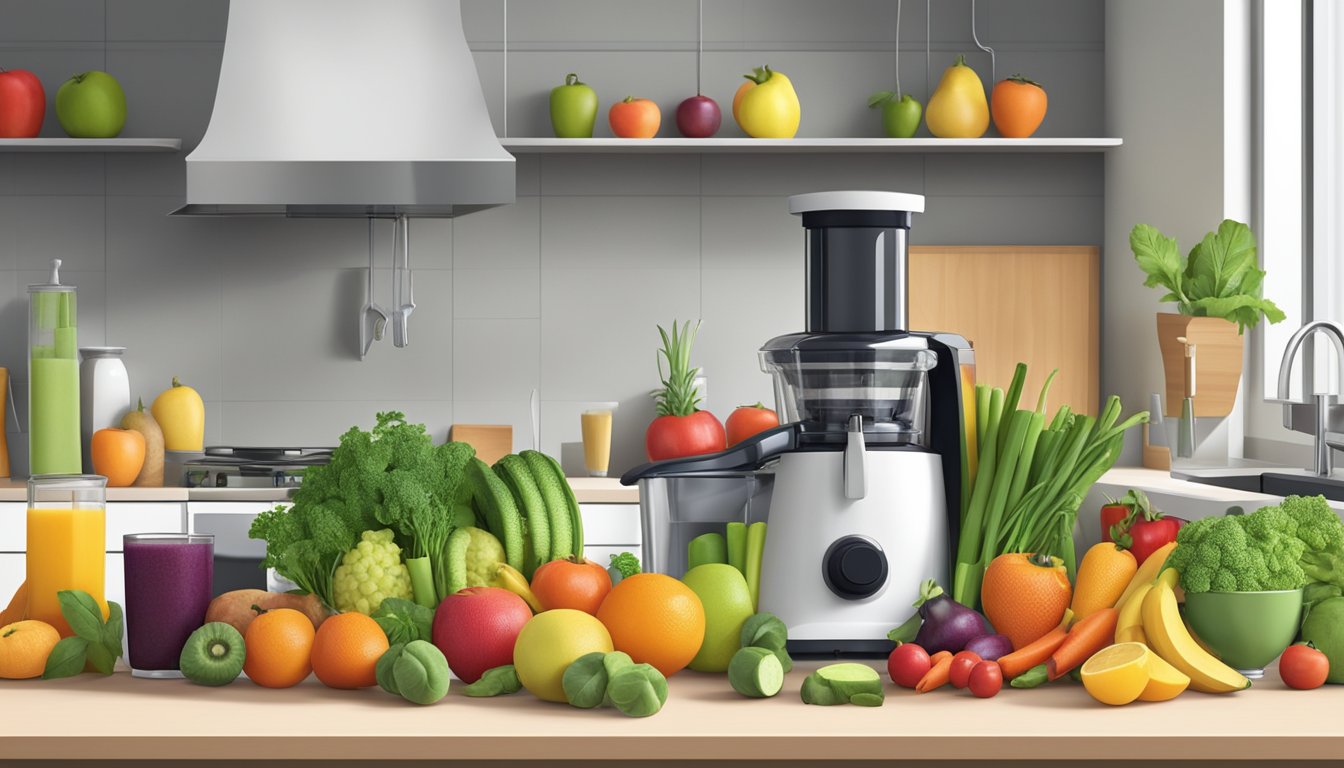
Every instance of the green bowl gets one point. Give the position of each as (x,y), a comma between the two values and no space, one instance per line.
(1247,630)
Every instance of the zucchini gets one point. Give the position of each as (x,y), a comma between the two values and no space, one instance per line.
(495,502)
(557,509)
(512,469)
(456,554)
(576,519)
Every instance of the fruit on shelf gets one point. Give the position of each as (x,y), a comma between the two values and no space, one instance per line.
(477,628)
(699,117)
(633,118)
(180,413)
(573,109)
(1169,638)
(549,643)
(142,421)
(900,113)
(92,105)
(767,106)
(957,108)
(23,104)
(1018,106)
(213,654)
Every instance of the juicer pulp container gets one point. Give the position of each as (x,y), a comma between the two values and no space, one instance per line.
(675,509)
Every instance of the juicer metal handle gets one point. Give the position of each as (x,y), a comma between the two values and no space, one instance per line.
(856,460)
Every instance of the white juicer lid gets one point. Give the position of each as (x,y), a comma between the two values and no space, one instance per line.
(855,200)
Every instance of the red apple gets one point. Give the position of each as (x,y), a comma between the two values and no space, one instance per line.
(476,629)
(23,104)
(698,117)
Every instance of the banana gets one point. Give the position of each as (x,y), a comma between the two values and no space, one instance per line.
(1131,635)
(1147,572)
(1131,616)
(511,579)
(1168,637)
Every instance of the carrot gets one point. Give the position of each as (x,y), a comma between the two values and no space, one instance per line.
(937,675)
(1085,638)
(1033,653)
(939,656)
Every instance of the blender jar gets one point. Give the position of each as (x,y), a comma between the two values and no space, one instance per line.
(67,543)
(53,379)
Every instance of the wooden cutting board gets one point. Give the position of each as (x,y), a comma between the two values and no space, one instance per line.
(1034,304)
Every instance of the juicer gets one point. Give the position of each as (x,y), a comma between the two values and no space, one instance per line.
(861,485)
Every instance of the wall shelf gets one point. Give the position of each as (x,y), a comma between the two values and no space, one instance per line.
(90,145)
(538,145)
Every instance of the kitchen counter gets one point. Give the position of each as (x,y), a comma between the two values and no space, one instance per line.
(132,719)
(588,490)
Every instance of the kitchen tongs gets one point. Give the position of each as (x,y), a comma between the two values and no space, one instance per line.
(372,318)
(403,285)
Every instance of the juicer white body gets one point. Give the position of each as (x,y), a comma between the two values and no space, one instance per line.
(902,511)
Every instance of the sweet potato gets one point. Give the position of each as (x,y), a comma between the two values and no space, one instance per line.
(236,607)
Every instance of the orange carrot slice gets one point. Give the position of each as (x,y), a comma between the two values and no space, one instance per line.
(1033,653)
(937,676)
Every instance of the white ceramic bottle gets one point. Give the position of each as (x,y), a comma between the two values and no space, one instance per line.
(104,393)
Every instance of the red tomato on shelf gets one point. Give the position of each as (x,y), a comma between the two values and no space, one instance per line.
(748,420)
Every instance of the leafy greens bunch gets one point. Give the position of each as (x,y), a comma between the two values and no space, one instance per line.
(1220,278)
(392,476)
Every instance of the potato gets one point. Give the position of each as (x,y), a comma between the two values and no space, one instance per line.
(235,607)
(151,472)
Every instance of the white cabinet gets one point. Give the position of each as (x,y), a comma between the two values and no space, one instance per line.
(610,525)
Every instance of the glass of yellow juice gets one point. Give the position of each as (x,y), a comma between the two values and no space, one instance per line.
(67,543)
(595,422)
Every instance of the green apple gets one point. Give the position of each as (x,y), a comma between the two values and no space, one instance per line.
(900,114)
(91,105)
(727,600)
(573,109)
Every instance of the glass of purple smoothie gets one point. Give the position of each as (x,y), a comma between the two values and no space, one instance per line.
(169,581)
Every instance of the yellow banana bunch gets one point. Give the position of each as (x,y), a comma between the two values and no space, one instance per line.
(1168,637)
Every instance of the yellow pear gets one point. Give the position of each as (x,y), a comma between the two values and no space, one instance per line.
(958,108)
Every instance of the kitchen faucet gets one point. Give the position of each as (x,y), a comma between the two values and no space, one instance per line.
(1323,418)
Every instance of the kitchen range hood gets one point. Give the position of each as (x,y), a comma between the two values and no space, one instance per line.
(347,108)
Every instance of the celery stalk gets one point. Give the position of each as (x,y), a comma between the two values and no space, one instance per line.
(422,581)
(755,552)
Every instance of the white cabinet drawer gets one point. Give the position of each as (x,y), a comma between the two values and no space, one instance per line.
(122,517)
(610,524)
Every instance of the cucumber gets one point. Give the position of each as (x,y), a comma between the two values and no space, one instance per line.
(512,469)
(495,501)
(755,551)
(844,683)
(756,673)
(576,519)
(456,552)
(706,548)
(557,509)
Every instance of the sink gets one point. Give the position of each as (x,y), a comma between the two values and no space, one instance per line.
(1273,481)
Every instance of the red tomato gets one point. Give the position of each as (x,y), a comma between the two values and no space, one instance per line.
(1303,667)
(960,673)
(1018,106)
(907,664)
(1112,515)
(634,118)
(672,437)
(986,679)
(748,420)
(570,583)
(23,104)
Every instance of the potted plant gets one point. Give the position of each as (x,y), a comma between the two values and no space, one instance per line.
(1217,292)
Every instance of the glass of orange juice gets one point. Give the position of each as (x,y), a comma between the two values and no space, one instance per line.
(596,424)
(67,542)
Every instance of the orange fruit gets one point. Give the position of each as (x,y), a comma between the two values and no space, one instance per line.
(346,650)
(1025,595)
(279,645)
(24,648)
(655,619)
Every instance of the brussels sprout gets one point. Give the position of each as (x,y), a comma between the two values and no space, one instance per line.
(495,681)
(756,672)
(638,690)
(585,680)
(416,671)
(614,662)
(764,630)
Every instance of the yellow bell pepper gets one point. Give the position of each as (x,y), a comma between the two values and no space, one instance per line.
(180,413)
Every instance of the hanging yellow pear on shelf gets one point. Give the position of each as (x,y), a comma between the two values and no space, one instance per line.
(958,108)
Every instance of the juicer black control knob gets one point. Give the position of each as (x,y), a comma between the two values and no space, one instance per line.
(854,567)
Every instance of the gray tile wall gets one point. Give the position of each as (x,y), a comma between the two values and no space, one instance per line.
(560,292)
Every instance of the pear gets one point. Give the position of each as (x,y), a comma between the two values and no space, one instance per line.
(958,108)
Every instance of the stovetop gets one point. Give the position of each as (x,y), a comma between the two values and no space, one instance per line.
(244,467)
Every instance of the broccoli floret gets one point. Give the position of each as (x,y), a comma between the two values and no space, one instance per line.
(1239,553)
(626,564)
(1311,521)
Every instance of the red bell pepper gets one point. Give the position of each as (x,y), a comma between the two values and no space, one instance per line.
(1133,523)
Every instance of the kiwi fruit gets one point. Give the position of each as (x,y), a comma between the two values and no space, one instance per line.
(213,655)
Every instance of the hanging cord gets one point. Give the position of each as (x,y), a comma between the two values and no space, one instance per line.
(898,48)
(928,61)
(699,45)
(993,75)
(505,119)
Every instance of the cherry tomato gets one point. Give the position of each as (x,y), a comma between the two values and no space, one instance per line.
(907,664)
(1303,667)
(748,420)
(960,674)
(986,679)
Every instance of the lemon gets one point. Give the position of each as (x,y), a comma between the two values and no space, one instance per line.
(549,642)
(1117,674)
(727,601)
(1165,682)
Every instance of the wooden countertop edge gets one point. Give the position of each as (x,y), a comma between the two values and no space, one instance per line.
(1073,749)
